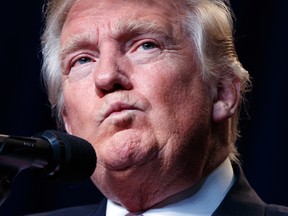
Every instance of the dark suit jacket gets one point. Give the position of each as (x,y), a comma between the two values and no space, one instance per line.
(241,200)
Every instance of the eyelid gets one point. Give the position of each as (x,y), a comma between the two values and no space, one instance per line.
(77,58)
(70,60)
(135,44)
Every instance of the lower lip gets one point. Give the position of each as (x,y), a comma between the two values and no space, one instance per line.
(122,113)
(123,118)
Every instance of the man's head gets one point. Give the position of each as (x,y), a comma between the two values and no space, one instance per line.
(154,85)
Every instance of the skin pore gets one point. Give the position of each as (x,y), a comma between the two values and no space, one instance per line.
(132,87)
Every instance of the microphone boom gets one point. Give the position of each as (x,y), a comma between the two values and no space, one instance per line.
(51,153)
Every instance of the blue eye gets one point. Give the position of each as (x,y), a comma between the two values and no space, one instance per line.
(148,46)
(84,60)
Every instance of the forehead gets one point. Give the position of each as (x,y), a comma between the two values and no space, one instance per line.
(122,17)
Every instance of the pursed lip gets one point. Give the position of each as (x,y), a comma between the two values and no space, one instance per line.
(117,107)
(121,102)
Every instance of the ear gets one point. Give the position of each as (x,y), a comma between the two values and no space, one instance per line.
(226,101)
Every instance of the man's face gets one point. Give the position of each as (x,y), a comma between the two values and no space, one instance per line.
(133,88)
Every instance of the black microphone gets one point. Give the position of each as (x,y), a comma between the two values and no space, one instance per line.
(51,153)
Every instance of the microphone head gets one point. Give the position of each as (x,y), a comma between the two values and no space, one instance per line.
(77,156)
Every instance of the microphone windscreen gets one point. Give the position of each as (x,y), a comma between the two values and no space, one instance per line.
(78,157)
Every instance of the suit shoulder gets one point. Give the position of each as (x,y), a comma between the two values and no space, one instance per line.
(276,210)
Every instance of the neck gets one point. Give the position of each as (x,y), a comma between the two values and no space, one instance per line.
(142,192)
(211,189)
(140,188)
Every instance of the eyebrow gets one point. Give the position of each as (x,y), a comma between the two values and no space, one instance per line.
(75,43)
(122,28)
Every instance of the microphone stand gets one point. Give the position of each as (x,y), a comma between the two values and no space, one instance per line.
(10,166)
(7,175)
(48,154)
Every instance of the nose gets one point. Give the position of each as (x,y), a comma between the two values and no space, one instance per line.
(111,76)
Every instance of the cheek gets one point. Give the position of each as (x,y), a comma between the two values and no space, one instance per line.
(77,107)
(168,86)
(178,96)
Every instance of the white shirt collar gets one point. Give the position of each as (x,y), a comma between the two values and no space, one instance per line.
(202,201)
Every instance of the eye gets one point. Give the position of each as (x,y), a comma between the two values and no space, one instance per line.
(145,49)
(148,45)
(80,61)
(83,60)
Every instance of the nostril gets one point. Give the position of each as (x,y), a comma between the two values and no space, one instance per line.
(116,87)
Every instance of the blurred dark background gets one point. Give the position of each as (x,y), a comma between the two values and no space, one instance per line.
(261,41)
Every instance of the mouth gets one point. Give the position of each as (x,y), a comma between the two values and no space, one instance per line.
(118,108)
